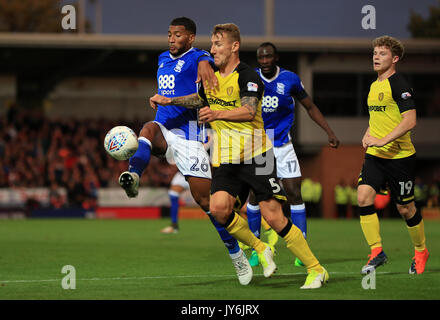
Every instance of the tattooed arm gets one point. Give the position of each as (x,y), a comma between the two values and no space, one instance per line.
(245,113)
(191,101)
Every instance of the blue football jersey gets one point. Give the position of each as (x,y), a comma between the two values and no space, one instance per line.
(278,104)
(176,76)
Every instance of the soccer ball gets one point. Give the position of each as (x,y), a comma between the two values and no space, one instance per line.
(121,142)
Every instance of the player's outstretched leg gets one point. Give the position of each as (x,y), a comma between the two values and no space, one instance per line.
(295,242)
(221,207)
(129,180)
(238,257)
(238,228)
(200,189)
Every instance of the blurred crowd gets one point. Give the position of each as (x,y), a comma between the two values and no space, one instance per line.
(65,153)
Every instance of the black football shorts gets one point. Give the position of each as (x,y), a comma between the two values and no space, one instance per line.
(259,175)
(398,174)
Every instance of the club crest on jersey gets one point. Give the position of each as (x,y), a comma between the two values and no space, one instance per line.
(179,66)
(229,90)
(252,86)
(406,95)
(381,96)
(280,88)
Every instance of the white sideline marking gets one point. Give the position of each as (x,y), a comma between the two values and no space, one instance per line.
(174,277)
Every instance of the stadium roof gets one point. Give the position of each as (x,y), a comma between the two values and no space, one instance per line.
(148,42)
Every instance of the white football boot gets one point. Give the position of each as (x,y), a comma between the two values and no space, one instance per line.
(243,269)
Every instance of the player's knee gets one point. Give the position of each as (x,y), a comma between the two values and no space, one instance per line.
(220,211)
(365,195)
(364,199)
(149,130)
(218,208)
(406,210)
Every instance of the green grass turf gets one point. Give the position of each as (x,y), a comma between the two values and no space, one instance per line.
(131,259)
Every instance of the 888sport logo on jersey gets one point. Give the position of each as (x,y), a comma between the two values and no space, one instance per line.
(269,103)
(166,84)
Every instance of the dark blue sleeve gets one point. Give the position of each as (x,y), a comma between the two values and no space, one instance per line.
(297,90)
(205,56)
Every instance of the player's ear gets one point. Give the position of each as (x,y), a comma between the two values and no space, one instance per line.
(192,37)
(395,59)
(235,46)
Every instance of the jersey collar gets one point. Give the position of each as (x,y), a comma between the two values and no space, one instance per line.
(271,79)
(180,56)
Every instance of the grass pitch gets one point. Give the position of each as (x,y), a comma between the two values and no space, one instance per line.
(131,259)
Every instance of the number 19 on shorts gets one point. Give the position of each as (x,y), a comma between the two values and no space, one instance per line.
(405,187)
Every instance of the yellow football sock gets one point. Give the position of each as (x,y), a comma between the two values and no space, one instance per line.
(264,224)
(239,229)
(417,234)
(371,229)
(298,246)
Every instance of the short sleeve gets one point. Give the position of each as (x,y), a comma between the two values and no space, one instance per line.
(402,93)
(204,56)
(297,90)
(249,82)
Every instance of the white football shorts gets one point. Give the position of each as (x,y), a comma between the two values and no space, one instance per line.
(179,180)
(189,156)
(287,161)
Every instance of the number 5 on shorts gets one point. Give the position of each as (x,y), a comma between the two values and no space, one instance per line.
(275,186)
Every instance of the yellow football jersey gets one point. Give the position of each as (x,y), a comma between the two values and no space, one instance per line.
(387,101)
(237,142)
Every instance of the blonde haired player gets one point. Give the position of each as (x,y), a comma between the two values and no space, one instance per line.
(390,155)
(243,156)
